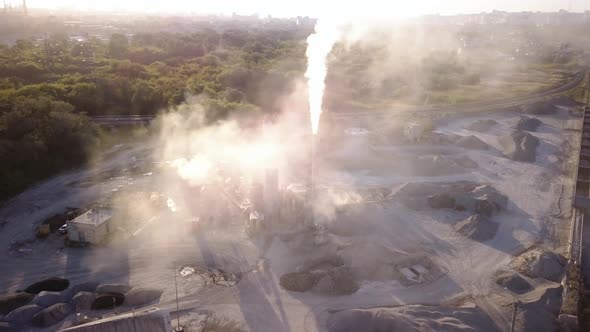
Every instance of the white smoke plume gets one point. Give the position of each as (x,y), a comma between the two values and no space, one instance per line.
(319,45)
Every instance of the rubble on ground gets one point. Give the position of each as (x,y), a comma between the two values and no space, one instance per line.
(466,162)
(47,299)
(477,228)
(435,165)
(23,315)
(528,124)
(113,288)
(482,125)
(50,285)
(484,199)
(107,301)
(538,310)
(139,296)
(52,315)
(411,318)
(9,302)
(336,281)
(565,101)
(539,108)
(83,301)
(472,142)
(7,327)
(299,281)
(512,281)
(519,146)
(89,286)
(540,263)
(323,277)
(442,138)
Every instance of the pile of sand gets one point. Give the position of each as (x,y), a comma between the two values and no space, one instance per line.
(528,124)
(52,315)
(434,165)
(512,281)
(370,260)
(23,315)
(410,318)
(538,310)
(477,227)
(484,200)
(334,281)
(519,146)
(50,285)
(482,125)
(565,101)
(442,138)
(540,263)
(466,162)
(139,296)
(47,299)
(471,142)
(540,108)
(9,302)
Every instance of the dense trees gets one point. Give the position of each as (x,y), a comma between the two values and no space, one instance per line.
(47,88)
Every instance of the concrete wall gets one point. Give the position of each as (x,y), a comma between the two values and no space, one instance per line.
(79,232)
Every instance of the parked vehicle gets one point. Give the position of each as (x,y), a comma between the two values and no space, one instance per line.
(63,229)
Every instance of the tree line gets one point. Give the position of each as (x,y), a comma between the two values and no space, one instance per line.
(49,87)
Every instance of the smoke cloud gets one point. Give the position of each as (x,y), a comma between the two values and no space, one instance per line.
(319,45)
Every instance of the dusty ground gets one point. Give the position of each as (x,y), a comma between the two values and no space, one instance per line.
(536,217)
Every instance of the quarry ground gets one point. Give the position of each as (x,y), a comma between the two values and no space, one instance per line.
(537,216)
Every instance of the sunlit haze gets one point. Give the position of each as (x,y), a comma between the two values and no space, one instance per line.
(371,8)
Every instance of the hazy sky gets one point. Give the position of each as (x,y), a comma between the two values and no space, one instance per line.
(319,8)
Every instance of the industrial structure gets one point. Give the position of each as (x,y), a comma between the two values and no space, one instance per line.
(92,226)
(153,320)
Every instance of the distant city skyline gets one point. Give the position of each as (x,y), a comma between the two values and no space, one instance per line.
(315,8)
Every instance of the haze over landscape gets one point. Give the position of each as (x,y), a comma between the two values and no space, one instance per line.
(299,166)
(371,8)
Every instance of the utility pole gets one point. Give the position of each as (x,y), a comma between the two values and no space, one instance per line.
(178,328)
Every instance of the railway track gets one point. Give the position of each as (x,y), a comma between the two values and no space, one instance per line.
(122,120)
(468,107)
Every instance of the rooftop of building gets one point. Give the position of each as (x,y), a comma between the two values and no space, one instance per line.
(94,216)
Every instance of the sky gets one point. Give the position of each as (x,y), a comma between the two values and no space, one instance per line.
(317,8)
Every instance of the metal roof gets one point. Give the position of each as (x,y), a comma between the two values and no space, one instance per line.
(95,216)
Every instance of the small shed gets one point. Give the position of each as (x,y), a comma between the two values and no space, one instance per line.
(413,132)
(91,226)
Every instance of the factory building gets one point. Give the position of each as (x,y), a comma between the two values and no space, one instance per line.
(92,226)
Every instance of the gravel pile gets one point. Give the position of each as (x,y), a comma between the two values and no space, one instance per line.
(519,146)
(528,124)
(477,227)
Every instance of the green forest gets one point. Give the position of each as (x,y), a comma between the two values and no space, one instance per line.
(49,87)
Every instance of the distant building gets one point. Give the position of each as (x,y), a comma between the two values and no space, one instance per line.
(92,226)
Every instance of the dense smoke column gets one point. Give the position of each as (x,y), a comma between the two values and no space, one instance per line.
(319,45)
(312,188)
